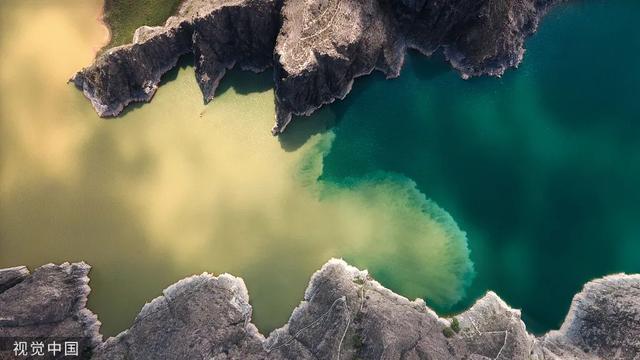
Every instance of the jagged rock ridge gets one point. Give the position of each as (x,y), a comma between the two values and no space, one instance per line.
(219,33)
(316,47)
(51,302)
(344,315)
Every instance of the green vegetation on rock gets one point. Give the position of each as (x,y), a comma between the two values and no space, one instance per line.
(452,329)
(124,16)
(455,325)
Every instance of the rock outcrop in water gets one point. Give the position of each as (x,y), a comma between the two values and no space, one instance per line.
(220,34)
(50,303)
(316,47)
(344,315)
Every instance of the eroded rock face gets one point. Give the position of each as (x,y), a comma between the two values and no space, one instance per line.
(220,34)
(50,303)
(316,47)
(12,276)
(186,322)
(131,73)
(345,314)
(603,321)
(325,44)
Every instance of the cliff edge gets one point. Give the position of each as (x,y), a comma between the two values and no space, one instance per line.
(345,314)
(316,48)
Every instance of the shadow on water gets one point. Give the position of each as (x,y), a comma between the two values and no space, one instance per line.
(242,82)
(302,128)
(184,62)
(127,110)
(245,82)
(438,66)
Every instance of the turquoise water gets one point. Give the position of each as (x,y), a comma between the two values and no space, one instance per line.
(540,168)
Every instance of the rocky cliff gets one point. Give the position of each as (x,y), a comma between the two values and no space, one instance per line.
(345,314)
(50,303)
(316,47)
(219,33)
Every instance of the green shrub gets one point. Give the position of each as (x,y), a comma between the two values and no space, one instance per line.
(447,332)
(357,342)
(455,325)
(452,329)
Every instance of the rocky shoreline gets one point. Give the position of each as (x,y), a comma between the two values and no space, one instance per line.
(345,314)
(316,48)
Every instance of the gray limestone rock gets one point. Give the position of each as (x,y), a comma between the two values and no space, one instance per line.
(345,314)
(50,303)
(131,73)
(603,322)
(12,276)
(325,44)
(316,47)
(200,317)
(220,34)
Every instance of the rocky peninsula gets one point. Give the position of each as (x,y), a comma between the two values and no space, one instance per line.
(345,314)
(316,48)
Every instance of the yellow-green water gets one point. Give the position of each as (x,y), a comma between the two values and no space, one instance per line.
(175,187)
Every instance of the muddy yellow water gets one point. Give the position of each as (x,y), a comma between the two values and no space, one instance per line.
(176,187)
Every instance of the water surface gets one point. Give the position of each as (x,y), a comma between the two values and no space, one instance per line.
(541,168)
(175,188)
